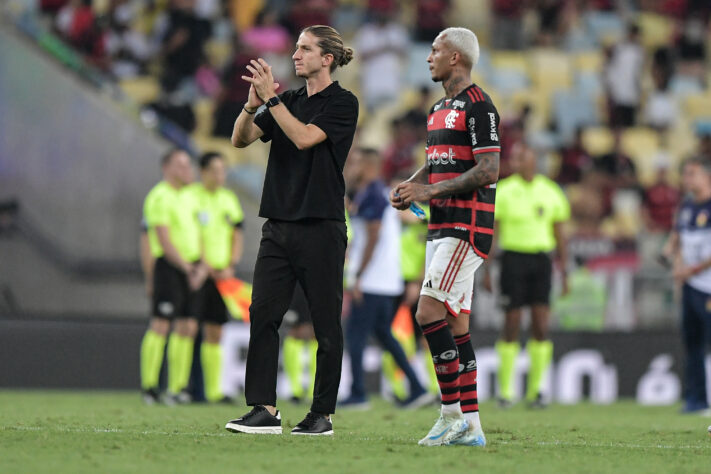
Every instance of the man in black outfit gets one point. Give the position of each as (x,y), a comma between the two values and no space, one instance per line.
(304,238)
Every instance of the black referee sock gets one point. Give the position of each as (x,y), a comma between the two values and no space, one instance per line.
(467,376)
(446,360)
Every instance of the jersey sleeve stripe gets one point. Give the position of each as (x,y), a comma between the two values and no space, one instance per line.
(488,149)
(478,93)
(471,96)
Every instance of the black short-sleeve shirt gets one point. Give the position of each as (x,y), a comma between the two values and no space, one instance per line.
(303,184)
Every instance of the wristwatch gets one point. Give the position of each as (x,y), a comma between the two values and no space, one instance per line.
(273,101)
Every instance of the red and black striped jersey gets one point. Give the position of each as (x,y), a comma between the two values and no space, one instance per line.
(458,130)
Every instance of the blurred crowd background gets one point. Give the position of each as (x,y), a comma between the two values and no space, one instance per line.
(612,94)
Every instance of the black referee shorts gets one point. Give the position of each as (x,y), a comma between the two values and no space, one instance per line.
(171,294)
(525,279)
(209,305)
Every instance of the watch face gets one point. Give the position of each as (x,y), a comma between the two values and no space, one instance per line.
(273,101)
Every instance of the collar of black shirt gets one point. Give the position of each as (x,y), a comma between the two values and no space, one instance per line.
(326,92)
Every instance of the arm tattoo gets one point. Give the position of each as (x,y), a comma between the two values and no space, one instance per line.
(485,172)
(420,176)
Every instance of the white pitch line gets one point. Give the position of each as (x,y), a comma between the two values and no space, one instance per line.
(556,443)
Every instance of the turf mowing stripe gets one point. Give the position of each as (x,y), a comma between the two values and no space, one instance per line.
(353,438)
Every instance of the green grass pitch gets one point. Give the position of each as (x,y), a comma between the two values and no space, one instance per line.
(95,432)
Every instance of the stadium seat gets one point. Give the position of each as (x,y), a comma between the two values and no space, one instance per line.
(204,118)
(697,106)
(218,52)
(141,90)
(656,30)
(597,140)
(571,111)
(683,86)
(642,145)
(550,69)
(589,62)
(605,26)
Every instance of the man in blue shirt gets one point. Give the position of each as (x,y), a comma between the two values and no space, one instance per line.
(690,247)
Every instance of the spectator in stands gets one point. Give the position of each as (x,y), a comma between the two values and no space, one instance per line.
(77,23)
(512,133)
(416,117)
(549,27)
(399,155)
(431,19)
(508,31)
(128,48)
(382,47)
(574,161)
(617,170)
(234,91)
(660,201)
(691,48)
(267,35)
(623,78)
(304,13)
(183,44)
(661,110)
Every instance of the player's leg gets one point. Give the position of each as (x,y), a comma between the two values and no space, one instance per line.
(508,347)
(152,350)
(539,347)
(319,265)
(384,315)
(444,259)
(467,380)
(695,397)
(272,291)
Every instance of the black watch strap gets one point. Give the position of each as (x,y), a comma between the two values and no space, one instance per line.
(273,101)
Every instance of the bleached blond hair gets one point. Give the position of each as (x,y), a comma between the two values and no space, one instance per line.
(464,41)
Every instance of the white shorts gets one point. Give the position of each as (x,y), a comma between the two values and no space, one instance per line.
(449,278)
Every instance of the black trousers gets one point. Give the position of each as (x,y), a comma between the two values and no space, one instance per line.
(311,252)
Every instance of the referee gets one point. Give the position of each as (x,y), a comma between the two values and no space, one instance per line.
(220,216)
(530,212)
(170,256)
(304,237)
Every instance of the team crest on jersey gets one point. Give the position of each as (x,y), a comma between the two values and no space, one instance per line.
(450,119)
(702,219)
(458,104)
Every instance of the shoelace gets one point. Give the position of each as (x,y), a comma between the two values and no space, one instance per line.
(257,409)
(311,419)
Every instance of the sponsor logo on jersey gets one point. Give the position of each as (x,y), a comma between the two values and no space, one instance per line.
(444,158)
(450,119)
(494,136)
(472,130)
(203,217)
(458,104)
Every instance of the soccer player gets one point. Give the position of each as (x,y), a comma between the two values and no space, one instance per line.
(170,256)
(530,213)
(220,216)
(459,180)
(690,247)
(304,238)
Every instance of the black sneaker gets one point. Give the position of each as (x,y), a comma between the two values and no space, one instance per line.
(314,425)
(504,403)
(257,421)
(150,396)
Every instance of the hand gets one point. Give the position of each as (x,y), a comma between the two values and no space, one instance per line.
(413,192)
(397,202)
(224,274)
(197,276)
(262,79)
(683,272)
(356,293)
(565,289)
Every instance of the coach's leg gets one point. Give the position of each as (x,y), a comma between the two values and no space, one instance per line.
(319,258)
(272,291)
